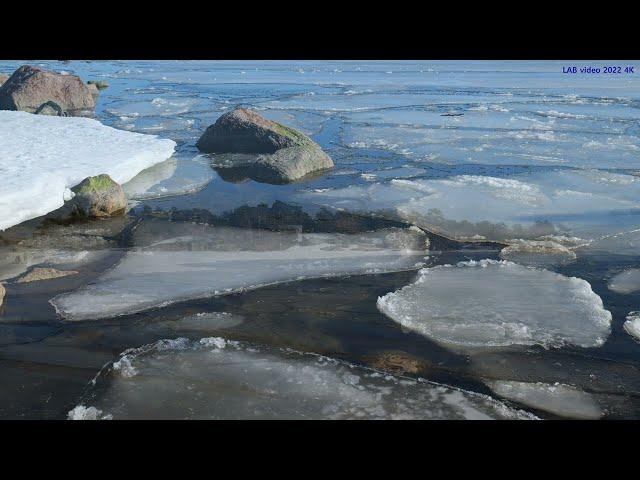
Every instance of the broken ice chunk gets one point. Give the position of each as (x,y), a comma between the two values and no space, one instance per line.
(218,260)
(215,378)
(626,282)
(632,325)
(171,177)
(559,399)
(87,413)
(498,303)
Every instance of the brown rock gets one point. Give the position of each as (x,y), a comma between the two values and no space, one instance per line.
(3,78)
(245,131)
(397,362)
(35,90)
(2,294)
(40,273)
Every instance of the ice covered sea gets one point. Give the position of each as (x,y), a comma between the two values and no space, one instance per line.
(501,160)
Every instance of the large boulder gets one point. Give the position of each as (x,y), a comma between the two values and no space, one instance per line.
(95,93)
(254,147)
(98,196)
(99,84)
(34,90)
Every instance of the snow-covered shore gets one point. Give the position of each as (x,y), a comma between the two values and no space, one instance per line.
(41,157)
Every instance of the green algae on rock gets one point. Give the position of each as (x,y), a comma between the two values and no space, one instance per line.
(98,196)
(260,149)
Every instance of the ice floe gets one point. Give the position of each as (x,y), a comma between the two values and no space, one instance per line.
(624,243)
(491,303)
(87,413)
(559,399)
(587,204)
(216,378)
(632,325)
(206,261)
(626,282)
(171,177)
(42,156)
(537,252)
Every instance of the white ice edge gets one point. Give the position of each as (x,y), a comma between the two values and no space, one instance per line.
(41,157)
(309,382)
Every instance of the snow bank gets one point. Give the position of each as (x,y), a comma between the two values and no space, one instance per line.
(216,378)
(43,156)
(498,303)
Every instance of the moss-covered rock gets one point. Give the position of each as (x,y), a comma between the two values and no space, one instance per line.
(261,149)
(98,196)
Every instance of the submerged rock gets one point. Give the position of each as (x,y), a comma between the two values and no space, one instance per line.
(41,273)
(98,196)
(35,90)
(261,149)
(397,362)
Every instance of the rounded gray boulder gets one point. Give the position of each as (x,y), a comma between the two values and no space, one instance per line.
(33,90)
(261,149)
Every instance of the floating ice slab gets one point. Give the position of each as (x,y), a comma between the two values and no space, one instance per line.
(216,378)
(582,203)
(41,157)
(537,253)
(632,325)
(624,243)
(626,282)
(171,177)
(559,399)
(206,261)
(498,303)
